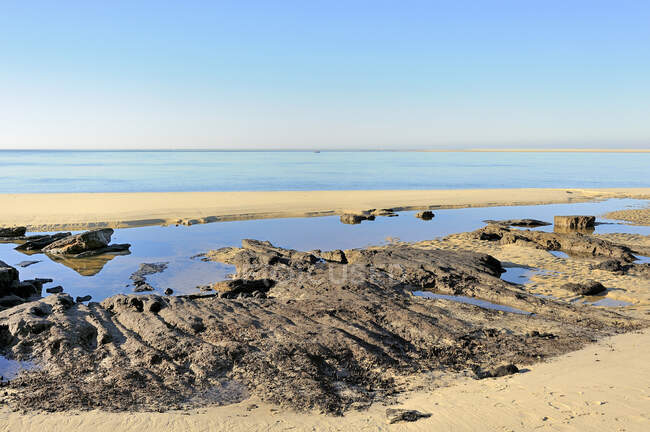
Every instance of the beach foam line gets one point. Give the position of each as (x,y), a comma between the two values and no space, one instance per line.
(72,211)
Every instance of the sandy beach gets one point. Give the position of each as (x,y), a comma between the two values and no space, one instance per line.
(49,212)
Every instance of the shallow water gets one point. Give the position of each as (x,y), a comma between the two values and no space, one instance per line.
(176,171)
(9,369)
(470,300)
(108,275)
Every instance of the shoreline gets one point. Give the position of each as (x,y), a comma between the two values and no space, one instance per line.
(49,212)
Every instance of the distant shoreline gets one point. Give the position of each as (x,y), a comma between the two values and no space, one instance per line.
(451,150)
(78,211)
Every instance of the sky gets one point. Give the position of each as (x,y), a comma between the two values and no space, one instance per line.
(324,74)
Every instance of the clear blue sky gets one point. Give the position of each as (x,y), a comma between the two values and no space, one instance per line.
(324,74)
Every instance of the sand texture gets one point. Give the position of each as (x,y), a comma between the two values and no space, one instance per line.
(634,216)
(50,212)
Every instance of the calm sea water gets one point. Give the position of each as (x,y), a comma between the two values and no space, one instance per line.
(160,171)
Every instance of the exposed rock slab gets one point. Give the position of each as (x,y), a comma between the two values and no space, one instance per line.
(586,288)
(12,231)
(80,243)
(37,243)
(574,222)
(529,223)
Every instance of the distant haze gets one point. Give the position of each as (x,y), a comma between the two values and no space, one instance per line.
(324,74)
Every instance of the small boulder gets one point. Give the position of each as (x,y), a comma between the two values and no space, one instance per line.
(169,291)
(499,371)
(395,415)
(355,219)
(574,222)
(142,287)
(54,290)
(79,243)
(587,288)
(334,256)
(614,266)
(84,298)
(425,215)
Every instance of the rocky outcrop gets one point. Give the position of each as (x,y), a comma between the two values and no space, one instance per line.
(37,243)
(80,243)
(13,291)
(12,232)
(574,222)
(425,215)
(529,223)
(585,288)
(323,335)
(354,219)
(572,243)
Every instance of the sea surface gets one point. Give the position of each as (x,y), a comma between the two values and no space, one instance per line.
(178,171)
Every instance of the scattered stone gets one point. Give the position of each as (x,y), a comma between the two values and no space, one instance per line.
(54,290)
(530,223)
(425,215)
(354,219)
(24,264)
(574,222)
(614,266)
(83,299)
(499,371)
(334,256)
(146,269)
(240,287)
(142,287)
(12,231)
(169,291)
(383,212)
(587,288)
(251,407)
(79,243)
(395,415)
(37,243)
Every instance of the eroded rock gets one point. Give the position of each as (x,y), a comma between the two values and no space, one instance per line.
(425,215)
(12,231)
(80,243)
(396,415)
(574,222)
(530,223)
(585,288)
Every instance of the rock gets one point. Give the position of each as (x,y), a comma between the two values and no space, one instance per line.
(396,415)
(12,231)
(354,219)
(146,269)
(425,215)
(609,265)
(142,287)
(587,288)
(574,222)
(499,371)
(24,264)
(79,243)
(114,248)
(531,223)
(8,278)
(83,299)
(169,291)
(37,243)
(334,256)
(383,212)
(54,290)
(234,288)
(574,244)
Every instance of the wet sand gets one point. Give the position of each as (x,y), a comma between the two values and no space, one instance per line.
(49,212)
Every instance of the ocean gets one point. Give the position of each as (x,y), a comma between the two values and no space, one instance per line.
(179,171)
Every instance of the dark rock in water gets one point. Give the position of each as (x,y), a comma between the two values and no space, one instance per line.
(499,371)
(574,222)
(146,269)
(142,287)
(425,215)
(24,264)
(354,219)
(574,244)
(383,212)
(83,299)
(79,243)
(13,231)
(588,288)
(169,291)
(530,223)
(37,243)
(54,290)
(396,415)
(8,278)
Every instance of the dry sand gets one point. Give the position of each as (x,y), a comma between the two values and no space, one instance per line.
(48,212)
(603,387)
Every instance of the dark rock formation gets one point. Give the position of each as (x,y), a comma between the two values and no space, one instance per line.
(118,248)
(324,335)
(81,299)
(142,287)
(12,231)
(499,371)
(333,256)
(24,264)
(574,222)
(13,291)
(80,243)
(587,288)
(354,219)
(146,269)
(572,244)
(383,212)
(425,215)
(396,415)
(530,223)
(37,243)
(169,291)
(54,290)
